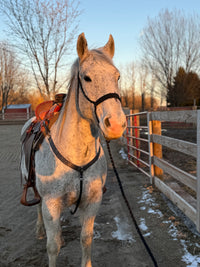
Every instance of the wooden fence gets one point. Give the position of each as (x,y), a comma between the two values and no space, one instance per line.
(146,155)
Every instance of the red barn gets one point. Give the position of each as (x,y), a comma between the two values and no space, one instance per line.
(17,112)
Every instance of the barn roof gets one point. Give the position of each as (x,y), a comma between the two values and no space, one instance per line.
(18,106)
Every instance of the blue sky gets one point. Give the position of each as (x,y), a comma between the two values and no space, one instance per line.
(124,19)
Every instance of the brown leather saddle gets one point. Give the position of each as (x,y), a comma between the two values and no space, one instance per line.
(46,114)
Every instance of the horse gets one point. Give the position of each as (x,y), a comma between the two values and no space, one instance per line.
(70,164)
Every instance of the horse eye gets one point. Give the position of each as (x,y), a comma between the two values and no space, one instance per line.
(87,78)
(118,77)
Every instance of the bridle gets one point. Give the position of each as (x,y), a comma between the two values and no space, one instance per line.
(99,100)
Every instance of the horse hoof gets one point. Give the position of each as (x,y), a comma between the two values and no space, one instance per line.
(40,236)
(62,242)
(40,233)
(104,189)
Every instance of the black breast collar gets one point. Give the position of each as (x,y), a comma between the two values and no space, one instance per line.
(75,167)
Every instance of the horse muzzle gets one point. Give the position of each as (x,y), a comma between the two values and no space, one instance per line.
(113,126)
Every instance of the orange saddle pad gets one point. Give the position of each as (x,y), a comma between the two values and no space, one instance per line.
(47,109)
(42,109)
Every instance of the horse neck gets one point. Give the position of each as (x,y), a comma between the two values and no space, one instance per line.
(72,134)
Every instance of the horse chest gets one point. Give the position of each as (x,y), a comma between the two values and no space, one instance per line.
(60,180)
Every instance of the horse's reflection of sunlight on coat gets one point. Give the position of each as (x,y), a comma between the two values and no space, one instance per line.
(92,105)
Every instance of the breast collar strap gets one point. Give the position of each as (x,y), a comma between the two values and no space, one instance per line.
(75,167)
(99,100)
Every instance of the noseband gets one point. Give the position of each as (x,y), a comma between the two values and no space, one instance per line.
(99,100)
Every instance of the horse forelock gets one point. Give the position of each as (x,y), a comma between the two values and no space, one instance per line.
(101,56)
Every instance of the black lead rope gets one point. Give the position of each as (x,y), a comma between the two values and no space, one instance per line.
(129,208)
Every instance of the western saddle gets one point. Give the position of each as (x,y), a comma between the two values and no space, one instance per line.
(46,114)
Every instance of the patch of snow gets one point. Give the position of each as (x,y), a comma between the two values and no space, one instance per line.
(188,258)
(166,222)
(157,212)
(150,210)
(147,234)
(96,234)
(123,230)
(173,231)
(190,225)
(142,225)
(147,199)
(148,202)
(197,245)
(123,154)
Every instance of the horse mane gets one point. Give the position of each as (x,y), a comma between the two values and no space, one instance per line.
(73,78)
(73,83)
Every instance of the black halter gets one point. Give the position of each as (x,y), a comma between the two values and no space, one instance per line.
(99,100)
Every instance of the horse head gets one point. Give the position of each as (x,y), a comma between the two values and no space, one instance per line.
(98,80)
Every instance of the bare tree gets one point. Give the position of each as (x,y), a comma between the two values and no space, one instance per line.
(130,70)
(127,84)
(169,41)
(21,90)
(44,31)
(9,68)
(143,80)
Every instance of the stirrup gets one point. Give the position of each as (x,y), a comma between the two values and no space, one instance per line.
(34,201)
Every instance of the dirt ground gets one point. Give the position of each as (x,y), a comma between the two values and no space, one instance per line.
(116,242)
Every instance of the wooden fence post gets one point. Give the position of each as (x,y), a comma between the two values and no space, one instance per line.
(157,148)
(151,166)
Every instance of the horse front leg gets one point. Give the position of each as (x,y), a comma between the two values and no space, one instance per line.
(51,209)
(87,218)
(86,240)
(40,230)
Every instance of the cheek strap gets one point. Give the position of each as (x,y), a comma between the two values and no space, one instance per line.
(100,100)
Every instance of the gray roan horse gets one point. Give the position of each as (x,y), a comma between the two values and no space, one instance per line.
(92,105)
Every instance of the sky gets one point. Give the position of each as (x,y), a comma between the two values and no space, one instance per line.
(124,19)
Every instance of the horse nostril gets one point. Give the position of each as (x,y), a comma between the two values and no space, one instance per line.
(124,125)
(107,122)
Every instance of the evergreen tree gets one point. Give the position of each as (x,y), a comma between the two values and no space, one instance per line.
(185,88)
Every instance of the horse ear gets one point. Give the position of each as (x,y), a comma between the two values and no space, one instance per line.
(109,48)
(82,47)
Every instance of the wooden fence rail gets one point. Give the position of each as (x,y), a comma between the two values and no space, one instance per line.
(157,165)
